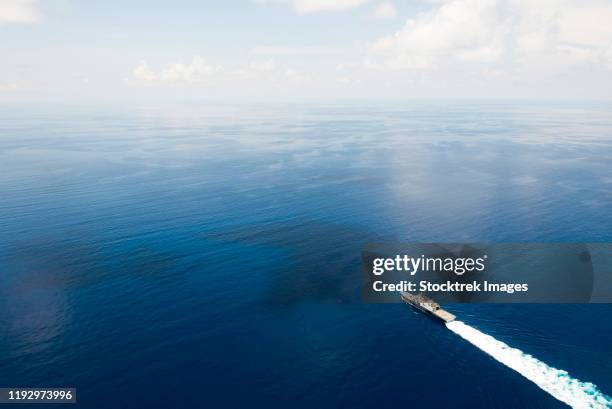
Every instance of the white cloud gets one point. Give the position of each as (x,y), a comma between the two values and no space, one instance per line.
(511,32)
(7,87)
(257,73)
(385,10)
(586,22)
(143,73)
(18,12)
(469,29)
(197,71)
(312,6)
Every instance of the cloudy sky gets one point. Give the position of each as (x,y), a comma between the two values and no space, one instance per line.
(305,49)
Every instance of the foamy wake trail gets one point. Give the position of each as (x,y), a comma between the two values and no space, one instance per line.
(557,382)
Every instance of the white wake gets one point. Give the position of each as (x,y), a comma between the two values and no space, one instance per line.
(557,382)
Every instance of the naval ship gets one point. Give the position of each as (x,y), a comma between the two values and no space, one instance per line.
(428,306)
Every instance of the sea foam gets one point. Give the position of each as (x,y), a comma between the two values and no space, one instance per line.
(555,381)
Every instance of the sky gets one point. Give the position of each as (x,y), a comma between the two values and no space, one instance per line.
(303,49)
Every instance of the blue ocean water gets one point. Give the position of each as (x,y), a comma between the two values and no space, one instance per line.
(208,255)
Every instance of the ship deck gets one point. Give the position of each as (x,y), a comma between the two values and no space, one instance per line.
(444,315)
(427,306)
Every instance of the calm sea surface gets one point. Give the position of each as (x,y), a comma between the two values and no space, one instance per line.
(208,255)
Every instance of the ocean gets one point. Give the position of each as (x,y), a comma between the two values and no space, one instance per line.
(186,255)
